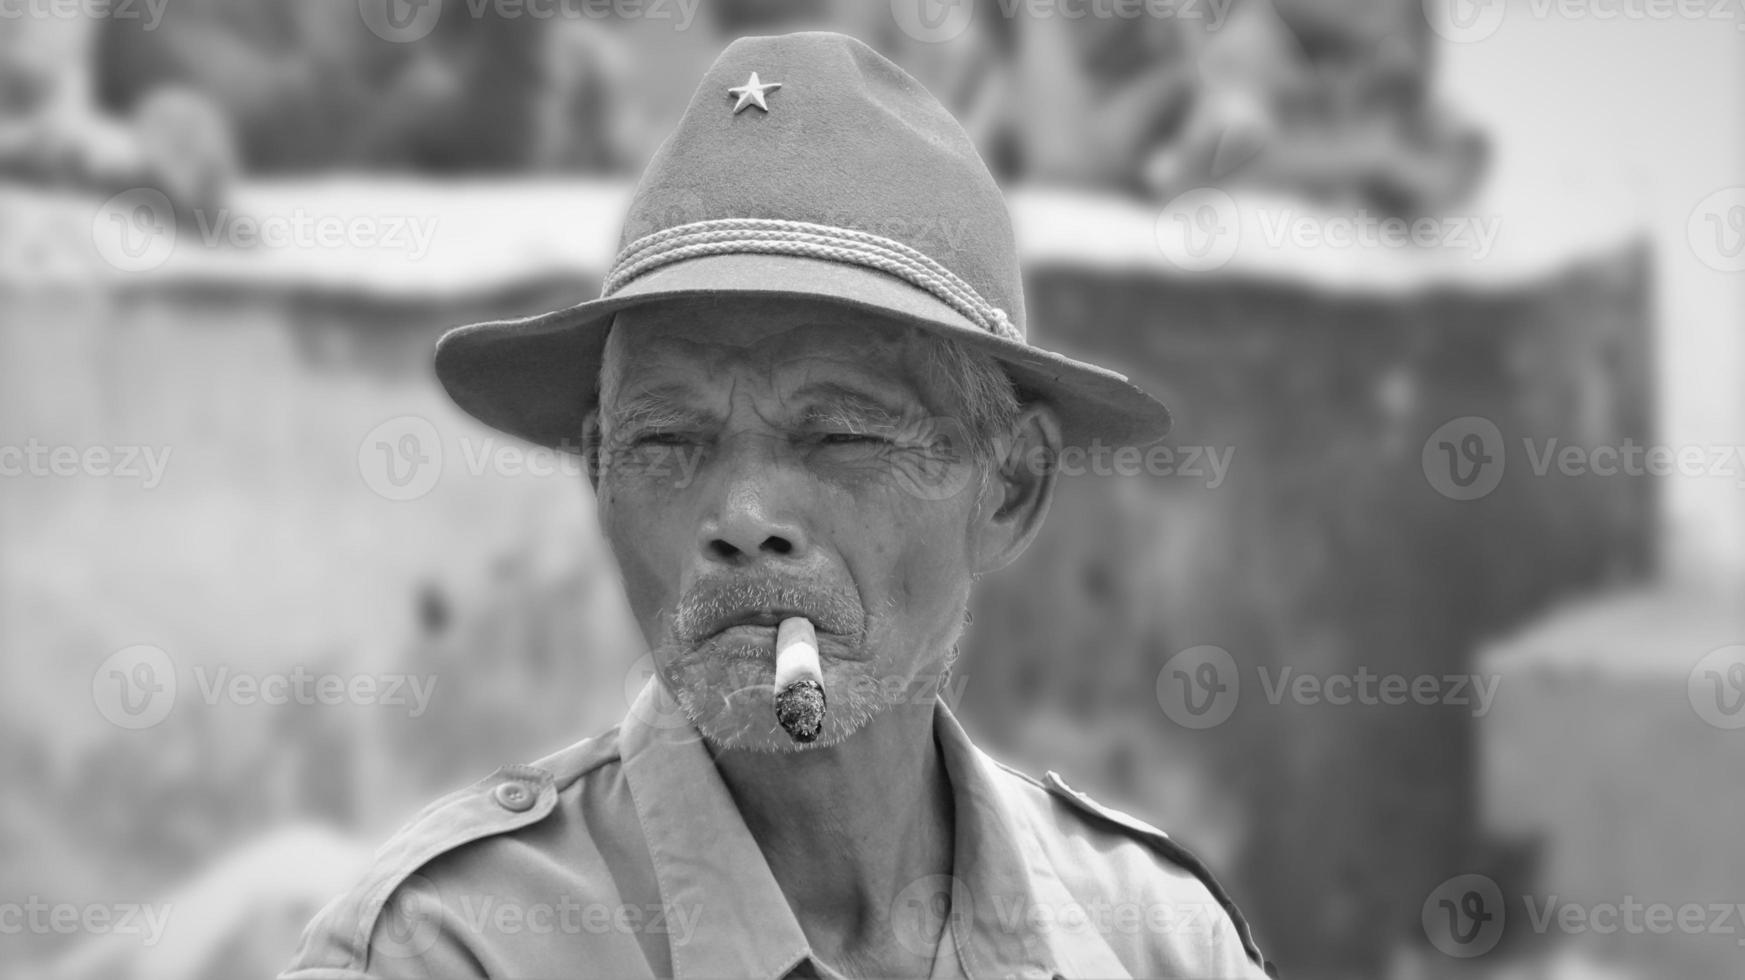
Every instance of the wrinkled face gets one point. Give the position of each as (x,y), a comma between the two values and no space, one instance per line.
(772,458)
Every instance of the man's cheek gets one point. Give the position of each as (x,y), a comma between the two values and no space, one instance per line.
(924,573)
(648,546)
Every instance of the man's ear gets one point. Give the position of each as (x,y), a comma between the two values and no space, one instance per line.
(1019,489)
(591,446)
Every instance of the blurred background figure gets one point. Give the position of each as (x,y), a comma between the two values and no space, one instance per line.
(55,130)
(263,590)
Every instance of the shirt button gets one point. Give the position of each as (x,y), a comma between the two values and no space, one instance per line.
(515,795)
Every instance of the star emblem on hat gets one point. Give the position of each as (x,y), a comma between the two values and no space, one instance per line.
(752,93)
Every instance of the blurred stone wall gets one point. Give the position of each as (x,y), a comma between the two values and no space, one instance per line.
(1326,549)
(1615,755)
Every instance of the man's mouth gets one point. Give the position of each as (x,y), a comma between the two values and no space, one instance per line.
(761,618)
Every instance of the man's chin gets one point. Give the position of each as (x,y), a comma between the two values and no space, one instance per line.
(731,701)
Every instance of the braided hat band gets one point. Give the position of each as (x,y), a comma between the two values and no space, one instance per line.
(800,238)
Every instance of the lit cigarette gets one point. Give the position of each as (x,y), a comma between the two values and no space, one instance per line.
(799,680)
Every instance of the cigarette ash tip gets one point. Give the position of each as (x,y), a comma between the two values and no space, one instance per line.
(800,710)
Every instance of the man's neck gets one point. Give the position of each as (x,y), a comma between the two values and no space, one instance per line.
(845,829)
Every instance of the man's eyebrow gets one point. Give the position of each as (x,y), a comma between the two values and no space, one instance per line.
(670,404)
(667,404)
(825,400)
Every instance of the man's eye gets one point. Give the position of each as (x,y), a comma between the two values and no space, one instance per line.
(661,438)
(850,438)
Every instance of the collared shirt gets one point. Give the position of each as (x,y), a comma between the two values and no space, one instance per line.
(624,856)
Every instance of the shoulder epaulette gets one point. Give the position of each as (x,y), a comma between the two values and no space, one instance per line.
(1166,847)
(513,797)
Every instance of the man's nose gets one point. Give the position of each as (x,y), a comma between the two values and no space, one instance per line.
(756,517)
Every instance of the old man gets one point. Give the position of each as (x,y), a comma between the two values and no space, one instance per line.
(812,420)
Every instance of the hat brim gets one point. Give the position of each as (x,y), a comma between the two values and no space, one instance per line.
(537,377)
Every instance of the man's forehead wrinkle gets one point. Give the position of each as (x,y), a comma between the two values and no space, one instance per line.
(655,373)
(836,374)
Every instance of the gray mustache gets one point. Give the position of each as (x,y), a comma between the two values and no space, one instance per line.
(830,610)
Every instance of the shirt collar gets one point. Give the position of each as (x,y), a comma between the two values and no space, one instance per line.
(705,860)
(1013,916)
(708,865)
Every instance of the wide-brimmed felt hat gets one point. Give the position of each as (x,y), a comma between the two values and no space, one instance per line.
(806,166)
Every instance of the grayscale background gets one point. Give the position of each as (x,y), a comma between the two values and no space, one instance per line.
(1427,634)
